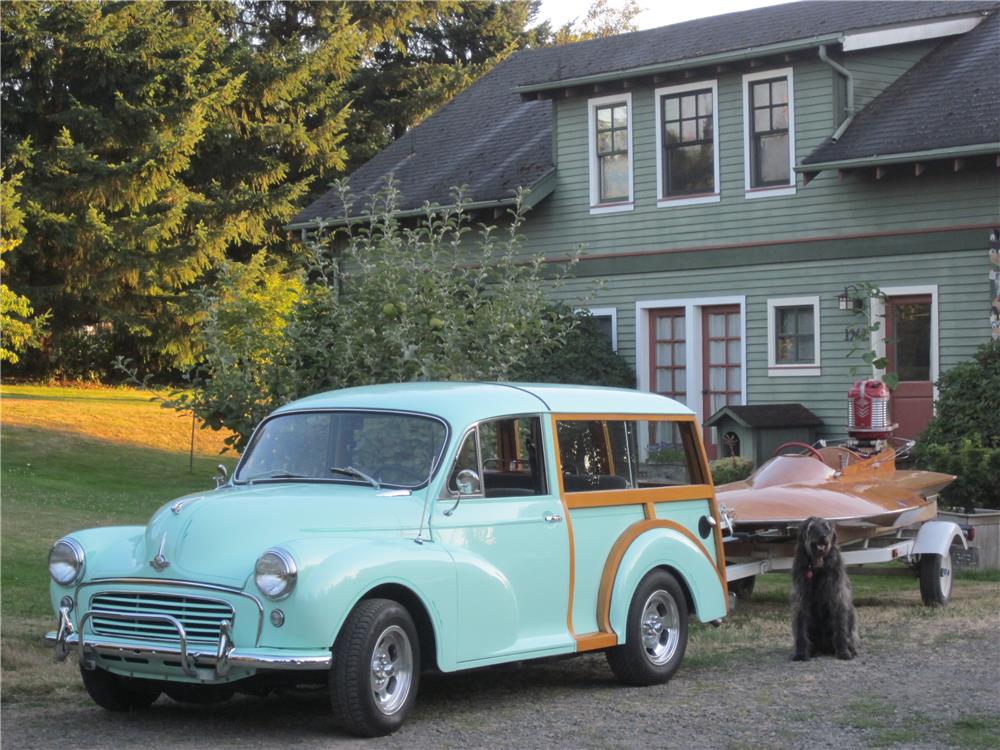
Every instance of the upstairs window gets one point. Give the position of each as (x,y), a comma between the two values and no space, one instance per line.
(687,144)
(611,154)
(770,132)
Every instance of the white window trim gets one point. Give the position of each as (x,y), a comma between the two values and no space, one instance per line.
(877,312)
(662,199)
(692,333)
(777,190)
(612,312)
(797,370)
(596,207)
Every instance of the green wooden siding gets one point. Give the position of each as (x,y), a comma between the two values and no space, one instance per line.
(963,295)
(828,206)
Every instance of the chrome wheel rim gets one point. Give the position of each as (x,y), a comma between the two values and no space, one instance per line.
(391,669)
(945,580)
(660,627)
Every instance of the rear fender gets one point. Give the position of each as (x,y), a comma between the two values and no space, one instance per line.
(667,548)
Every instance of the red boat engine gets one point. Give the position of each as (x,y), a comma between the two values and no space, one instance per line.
(868,411)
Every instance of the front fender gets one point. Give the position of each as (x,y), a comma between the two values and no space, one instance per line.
(109,551)
(335,574)
(936,537)
(667,548)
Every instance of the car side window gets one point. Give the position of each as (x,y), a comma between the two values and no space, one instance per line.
(601,455)
(513,460)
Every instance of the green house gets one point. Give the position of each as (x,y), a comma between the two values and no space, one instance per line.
(737,183)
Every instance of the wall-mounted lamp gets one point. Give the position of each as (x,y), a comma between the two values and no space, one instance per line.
(850,299)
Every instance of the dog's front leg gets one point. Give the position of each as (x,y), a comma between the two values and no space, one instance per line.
(843,636)
(800,629)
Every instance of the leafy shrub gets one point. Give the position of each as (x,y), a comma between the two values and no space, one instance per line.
(964,436)
(583,356)
(732,469)
(377,302)
(977,468)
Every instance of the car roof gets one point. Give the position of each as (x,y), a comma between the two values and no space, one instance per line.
(463,402)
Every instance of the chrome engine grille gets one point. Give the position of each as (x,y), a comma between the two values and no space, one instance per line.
(201,618)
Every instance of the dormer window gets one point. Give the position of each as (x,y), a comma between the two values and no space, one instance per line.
(687,144)
(611,154)
(769,133)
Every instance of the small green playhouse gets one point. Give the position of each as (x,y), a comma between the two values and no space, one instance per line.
(755,432)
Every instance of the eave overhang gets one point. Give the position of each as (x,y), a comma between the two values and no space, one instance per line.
(533,195)
(911,157)
(720,58)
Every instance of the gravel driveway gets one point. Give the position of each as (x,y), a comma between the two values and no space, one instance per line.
(914,687)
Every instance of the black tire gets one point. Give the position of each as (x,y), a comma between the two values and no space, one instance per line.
(116,693)
(201,695)
(743,588)
(935,579)
(652,662)
(364,702)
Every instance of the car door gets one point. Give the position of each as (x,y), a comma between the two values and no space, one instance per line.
(503,524)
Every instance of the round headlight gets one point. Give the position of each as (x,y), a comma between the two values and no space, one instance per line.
(275,573)
(66,561)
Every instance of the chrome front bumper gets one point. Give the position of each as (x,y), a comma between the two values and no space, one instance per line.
(219,658)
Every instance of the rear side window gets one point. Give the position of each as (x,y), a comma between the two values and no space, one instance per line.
(601,455)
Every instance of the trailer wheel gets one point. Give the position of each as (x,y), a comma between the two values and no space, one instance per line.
(743,588)
(935,579)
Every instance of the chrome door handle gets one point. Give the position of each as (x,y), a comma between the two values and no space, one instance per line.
(552,518)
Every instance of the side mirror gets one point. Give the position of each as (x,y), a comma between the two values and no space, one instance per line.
(468,483)
(221,475)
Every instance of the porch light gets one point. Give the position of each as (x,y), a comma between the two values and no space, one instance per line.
(850,299)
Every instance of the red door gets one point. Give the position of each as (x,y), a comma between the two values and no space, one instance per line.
(722,364)
(908,351)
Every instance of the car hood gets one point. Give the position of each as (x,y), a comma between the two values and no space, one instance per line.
(218,536)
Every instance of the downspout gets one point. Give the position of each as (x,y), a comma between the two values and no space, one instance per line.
(850,92)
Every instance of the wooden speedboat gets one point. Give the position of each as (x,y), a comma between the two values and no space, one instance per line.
(863,495)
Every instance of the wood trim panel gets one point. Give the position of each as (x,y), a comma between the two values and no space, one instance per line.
(637,496)
(596,641)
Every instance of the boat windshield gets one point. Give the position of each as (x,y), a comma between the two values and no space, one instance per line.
(791,470)
(357,447)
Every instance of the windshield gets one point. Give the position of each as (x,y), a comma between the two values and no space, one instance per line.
(397,450)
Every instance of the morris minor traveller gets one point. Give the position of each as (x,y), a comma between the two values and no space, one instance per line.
(371,533)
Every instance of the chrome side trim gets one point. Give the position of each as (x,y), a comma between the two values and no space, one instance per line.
(249,658)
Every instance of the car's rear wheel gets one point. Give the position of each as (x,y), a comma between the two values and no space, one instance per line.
(113,692)
(656,632)
(376,668)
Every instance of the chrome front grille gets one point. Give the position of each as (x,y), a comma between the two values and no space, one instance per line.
(201,617)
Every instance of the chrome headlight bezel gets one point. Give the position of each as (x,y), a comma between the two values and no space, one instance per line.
(275,574)
(71,555)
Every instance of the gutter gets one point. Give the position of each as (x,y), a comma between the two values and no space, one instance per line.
(532,197)
(950,152)
(850,92)
(688,62)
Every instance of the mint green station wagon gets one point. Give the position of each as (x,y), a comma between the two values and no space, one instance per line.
(372,533)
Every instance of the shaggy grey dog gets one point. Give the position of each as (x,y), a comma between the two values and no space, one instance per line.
(823,617)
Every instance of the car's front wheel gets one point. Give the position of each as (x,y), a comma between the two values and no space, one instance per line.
(656,632)
(116,693)
(376,668)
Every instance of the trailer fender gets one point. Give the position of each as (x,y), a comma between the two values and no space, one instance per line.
(936,537)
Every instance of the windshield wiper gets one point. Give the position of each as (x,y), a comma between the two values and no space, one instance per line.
(276,474)
(352,472)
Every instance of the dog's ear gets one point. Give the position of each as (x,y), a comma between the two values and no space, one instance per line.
(833,535)
(807,527)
